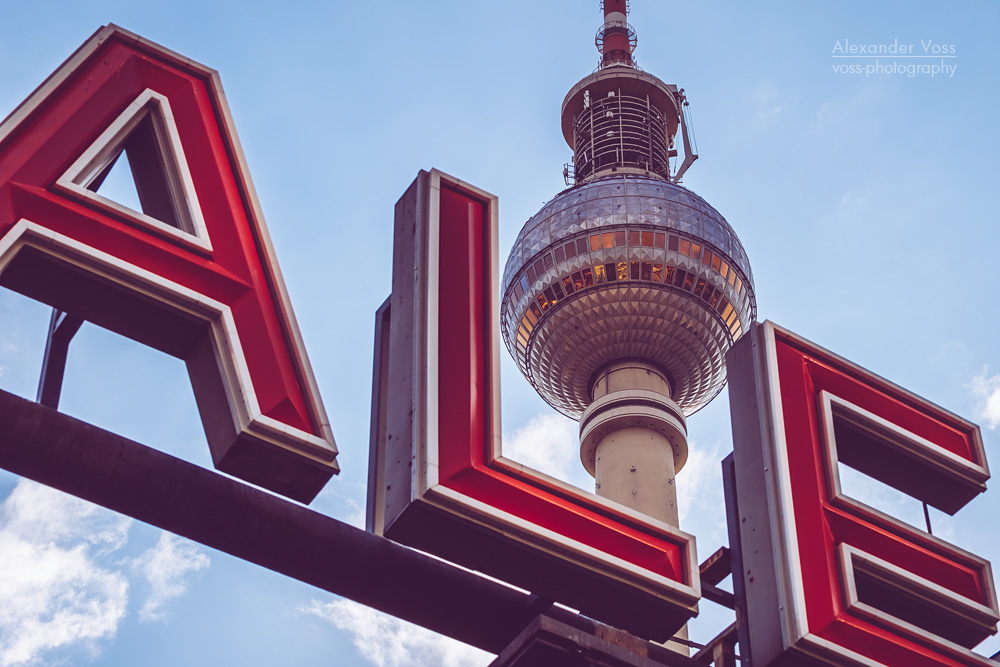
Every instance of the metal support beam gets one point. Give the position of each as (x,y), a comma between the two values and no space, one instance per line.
(714,569)
(104,468)
(736,557)
(718,595)
(127,477)
(550,643)
(721,651)
(62,328)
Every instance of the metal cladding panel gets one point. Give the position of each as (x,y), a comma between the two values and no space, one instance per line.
(825,576)
(192,274)
(447,488)
(651,322)
(664,204)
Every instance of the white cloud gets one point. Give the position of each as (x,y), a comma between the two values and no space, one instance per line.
(357,515)
(8,350)
(855,201)
(41,514)
(855,114)
(345,508)
(764,96)
(549,443)
(166,567)
(947,529)
(385,641)
(986,391)
(53,593)
(62,585)
(699,493)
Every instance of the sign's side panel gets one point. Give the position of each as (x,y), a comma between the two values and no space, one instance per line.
(375,507)
(760,555)
(401,393)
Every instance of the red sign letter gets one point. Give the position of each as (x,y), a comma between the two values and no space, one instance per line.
(192,273)
(440,482)
(826,576)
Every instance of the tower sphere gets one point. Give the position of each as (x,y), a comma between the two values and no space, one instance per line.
(625,266)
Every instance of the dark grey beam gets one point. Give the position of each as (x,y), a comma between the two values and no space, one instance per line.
(49,447)
(107,469)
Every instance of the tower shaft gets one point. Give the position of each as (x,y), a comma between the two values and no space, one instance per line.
(634,439)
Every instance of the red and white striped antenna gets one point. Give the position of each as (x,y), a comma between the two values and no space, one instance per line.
(616,40)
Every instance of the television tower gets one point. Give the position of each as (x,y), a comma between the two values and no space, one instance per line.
(622,294)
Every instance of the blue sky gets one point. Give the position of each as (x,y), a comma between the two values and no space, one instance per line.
(865,204)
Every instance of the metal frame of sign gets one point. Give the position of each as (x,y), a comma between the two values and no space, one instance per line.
(440,481)
(800,543)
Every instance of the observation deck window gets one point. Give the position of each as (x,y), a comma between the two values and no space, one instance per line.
(611,271)
(599,273)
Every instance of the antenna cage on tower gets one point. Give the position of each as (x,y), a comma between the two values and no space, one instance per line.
(615,28)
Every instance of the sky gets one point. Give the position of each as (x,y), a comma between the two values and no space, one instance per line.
(865,203)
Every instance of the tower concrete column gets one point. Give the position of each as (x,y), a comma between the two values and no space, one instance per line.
(633,440)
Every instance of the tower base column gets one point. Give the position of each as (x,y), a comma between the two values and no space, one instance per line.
(633,440)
